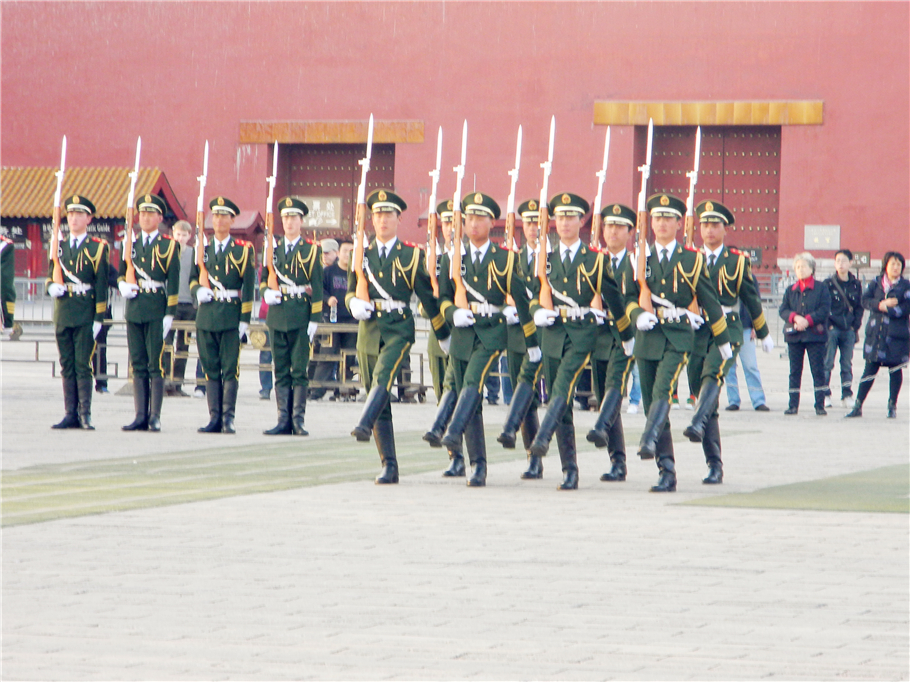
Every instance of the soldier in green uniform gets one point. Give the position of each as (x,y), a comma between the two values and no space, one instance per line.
(578,277)
(479,337)
(150,307)
(524,370)
(611,366)
(294,310)
(225,307)
(79,309)
(7,283)
(677,279)
(395,270)
(730,274)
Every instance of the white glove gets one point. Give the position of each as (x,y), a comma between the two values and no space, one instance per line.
(204,294)
(646,321)
(463,318)
(767,344)
(128,290)
(361,310)
(545,318)
(311,330)
(445,344)
(96,328)
(534,354)
(242,329)
(599,315)
(511,314)
(695,319)
(166,325)
(56,290)
(628,347)
(726,352)
(271,297)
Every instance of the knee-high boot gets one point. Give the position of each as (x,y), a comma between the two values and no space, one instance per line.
(156,398)
(70,405)
(443,415)
(376,402)
(465,408)
(213,399)
(609,409)
(141,403)
(565,441)
(707,406)
(617,448)
(529,428)
(229,405)
(666,463)
(551,420)
(298,413)
(282,399)
(711,446)
(522,398)
(84,411)
(476,444)
(384,433)
(657,418)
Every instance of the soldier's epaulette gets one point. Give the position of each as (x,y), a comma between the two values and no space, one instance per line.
(595,249)
(311,241)
(411,244)
(4,238)
(164,236)
(693,249)
(738,252)
(241,242)
(97,239)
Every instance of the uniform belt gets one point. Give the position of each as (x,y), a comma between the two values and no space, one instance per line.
(670,313)
(727,309)
(78,288)
(149,284)
(568,312)
(384,305)
(225,294)
(485,309)
(292,290)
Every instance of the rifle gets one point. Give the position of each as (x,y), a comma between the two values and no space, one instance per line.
(690,202)
(270,223)
(596,220)
(431,218)
(546,291)
(57,274)
(644,297)
(510,210)
(363,286)
(461,293)
(130,276)
(200,221)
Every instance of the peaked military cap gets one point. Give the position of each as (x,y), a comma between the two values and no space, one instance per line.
(151,202)
(568,204)
(666,205)
(714,212)
(529,210)
(619,215)
(385,200)
(77,202)
(480,204)
(446,209)
(293,206)
(224,205)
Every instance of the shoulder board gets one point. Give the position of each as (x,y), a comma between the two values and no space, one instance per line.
(96,239)
(241,242)
(411,244)
(164,236)
(595,249)
(5,238)
(739,253)
(691,248)
(311,241)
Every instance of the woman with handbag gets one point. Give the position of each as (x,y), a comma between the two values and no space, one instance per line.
(887,344)
(805,308)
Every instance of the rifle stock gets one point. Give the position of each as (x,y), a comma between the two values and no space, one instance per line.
(200,249)
(363,287)
(270,250)
(461,293)
(431,250)
(596,223)
(546,291)
(130,276)
(644,296)
(57,273)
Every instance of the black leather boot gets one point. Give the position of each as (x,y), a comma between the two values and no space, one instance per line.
(376,402)
(711,446)
(565,442)
(706,406)
(522,398)
(443,414)
(155,400)
(552,419)
(228,405)
(529,428)
(84,411)
(609,409)
(617,447)
(465,408)
(892,409)
(476,444)
(666,464)
(385,444)
(70,405)
(213,398)
(298,413)
(657,419)
(283,400)
(141,403)
(456,464)
(857,410)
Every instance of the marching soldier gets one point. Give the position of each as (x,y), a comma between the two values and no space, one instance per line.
(7,283)
(611,370)
(730,274)
(79,310)
(578,276)
(150,307)
(294,309)
(524,372)
(479,337)
(395,271)
(224,313)
(676,277)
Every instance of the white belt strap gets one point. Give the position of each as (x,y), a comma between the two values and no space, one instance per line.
(150,284)
(293,290)
(81,288)
(485,309)
(572,313)
(225,294)
(386,306)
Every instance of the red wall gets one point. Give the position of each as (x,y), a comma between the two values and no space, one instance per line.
(181,73)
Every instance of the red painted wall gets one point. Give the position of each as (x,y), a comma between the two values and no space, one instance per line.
(181,73)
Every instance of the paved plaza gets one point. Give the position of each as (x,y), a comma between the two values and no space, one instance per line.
(187,556)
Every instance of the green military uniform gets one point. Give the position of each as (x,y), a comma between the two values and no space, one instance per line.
(663,350)
(298,268)
(227,304)
(490,274)
(578,275)
(395,270)
(78,315)
(156,261)
(730,275)
(7,282)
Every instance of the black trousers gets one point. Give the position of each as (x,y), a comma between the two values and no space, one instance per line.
(816,352)
(870,370)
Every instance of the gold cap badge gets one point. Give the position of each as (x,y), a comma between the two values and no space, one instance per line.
(288,202)
(616,209)
(450,205)
(664,200)
(566,199)
(148,197)
(709,206)
(76,199)
(532,205)
(221,201)
(382,195)
(478,198)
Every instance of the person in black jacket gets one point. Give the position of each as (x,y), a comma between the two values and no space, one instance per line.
(887,343)
(805,309)
(843,323)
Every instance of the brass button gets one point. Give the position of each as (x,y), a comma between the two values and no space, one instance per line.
(475,278)
(380,274)
(663,281)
